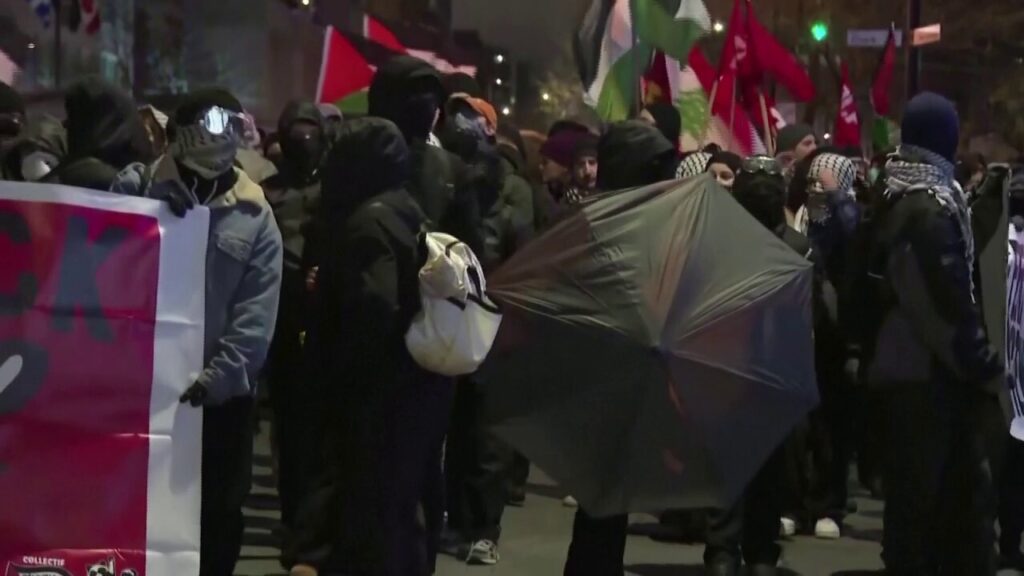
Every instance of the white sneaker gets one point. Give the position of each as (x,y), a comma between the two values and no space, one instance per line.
(787,527)
(483,553)
(570,502)
(827,529)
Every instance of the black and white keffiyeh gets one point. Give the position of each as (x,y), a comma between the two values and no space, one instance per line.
(935,175)
(692,165)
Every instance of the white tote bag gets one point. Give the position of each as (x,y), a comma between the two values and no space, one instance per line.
(455,330)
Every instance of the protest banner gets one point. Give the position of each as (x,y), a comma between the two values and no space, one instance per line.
(101,329)
(1015,329)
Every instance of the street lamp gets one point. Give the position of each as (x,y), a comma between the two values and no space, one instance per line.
(498,81)
(499,58)
(545,96)
(718,27)
(305,2)
(506,111)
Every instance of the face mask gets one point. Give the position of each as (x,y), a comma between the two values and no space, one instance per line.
(470,127)
(304,154)
(209,155)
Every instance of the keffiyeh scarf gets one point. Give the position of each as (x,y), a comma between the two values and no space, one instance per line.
(935,175)
(693,165)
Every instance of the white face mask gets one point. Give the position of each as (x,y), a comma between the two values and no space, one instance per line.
(37,165)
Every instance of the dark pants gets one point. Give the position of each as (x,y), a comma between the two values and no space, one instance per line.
(598,545)
(1011,499)
(751,527)
(515,479)
(476,467)
(818,455)
(295,432)
(938,514)
(227,478)
(378,512)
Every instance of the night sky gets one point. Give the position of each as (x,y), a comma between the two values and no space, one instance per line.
(532,29)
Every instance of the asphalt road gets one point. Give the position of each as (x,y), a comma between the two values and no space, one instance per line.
(535,539)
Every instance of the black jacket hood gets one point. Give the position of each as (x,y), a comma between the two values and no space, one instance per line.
(633,153)
(408,92)
(297,111)
(102,123)
(370,157)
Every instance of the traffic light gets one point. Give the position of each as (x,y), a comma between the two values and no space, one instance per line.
(819,31)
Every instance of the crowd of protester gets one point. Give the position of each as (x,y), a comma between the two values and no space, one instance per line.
(312,279)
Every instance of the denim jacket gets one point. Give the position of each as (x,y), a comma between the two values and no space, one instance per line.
(243,282)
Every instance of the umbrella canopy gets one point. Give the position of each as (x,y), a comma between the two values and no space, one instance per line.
(656,347)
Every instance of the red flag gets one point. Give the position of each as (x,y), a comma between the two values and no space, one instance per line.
(847,132)
(883,76)
(724,109)
(657,86)
(774,59)
(736,50)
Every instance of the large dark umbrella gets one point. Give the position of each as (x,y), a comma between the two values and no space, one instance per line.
(656,348)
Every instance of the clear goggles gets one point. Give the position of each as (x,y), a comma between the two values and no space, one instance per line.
(219,121)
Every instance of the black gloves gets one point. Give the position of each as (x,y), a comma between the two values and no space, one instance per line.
(195,395)
(177,197)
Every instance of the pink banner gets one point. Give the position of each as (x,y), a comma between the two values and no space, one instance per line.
(99,465)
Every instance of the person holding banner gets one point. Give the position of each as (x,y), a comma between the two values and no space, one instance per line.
(243,284)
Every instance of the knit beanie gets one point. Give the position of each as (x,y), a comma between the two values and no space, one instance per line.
(931,122)
(560,147)
(792,135)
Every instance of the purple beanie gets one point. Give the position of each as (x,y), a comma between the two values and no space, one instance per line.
(561,147)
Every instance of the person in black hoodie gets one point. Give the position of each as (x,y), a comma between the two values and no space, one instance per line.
(750,528)
(105,134)
(384,441)
(476,461)
(630,154)
(294,196)
(408,92)
(931,357)
(12,122)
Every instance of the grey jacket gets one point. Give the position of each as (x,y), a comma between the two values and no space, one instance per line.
(243,283)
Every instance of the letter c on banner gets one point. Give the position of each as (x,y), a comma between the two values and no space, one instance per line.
(13,226)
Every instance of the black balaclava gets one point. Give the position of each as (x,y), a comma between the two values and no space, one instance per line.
(633,153)
(763,195)
(302,157)
(370,157)
(668,120)
(205,160)
(408,92)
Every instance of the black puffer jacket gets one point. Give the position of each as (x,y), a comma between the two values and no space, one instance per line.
(104,135)
(634,153)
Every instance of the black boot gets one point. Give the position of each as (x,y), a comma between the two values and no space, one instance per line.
(722,568)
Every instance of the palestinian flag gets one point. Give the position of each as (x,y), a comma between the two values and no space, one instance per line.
(349,62)
(705,121)
(612,56)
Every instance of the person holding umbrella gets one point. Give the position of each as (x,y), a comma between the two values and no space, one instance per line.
(610,370)
(751,527)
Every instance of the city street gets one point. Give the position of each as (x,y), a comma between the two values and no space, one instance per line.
(536,538)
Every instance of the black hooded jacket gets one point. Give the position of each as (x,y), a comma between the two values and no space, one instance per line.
(632,154)
(104,135)
(408,92)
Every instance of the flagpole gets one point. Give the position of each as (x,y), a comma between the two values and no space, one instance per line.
(638,90)
(710,114)
(769,136)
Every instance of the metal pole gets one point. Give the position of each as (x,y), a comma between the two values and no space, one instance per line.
(914,53)
(58,48)
(638,88)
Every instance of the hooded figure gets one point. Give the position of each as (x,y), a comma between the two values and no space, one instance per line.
(794,143)
(724,166)
(243,284)
(629,155)
(931,356)
(633,153)
(104,135)
(667,119)
(408,92)
(294,196)
(388,416)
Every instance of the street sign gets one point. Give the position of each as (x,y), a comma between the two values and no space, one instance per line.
(871,38)
(927,35)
